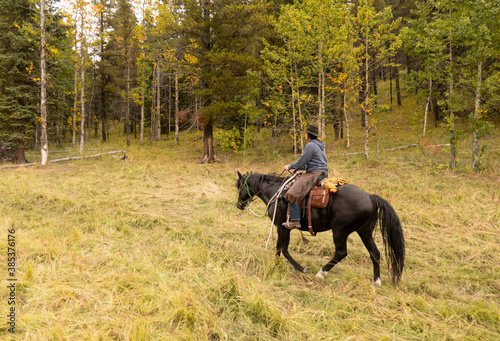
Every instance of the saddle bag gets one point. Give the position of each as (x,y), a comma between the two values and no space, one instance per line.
(319,197)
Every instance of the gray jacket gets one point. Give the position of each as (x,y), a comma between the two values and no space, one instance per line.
(313,158)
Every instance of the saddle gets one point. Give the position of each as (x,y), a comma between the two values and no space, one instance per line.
(319,197)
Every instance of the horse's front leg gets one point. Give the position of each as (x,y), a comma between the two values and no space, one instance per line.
(284,241)
(278,247)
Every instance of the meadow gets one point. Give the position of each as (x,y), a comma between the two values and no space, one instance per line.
(154,248)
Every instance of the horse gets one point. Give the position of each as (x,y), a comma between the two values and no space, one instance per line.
(349,210)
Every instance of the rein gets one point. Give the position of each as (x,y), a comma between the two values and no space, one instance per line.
(273,199)
(245,185)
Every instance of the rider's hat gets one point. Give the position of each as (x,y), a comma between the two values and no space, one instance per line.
(313,130)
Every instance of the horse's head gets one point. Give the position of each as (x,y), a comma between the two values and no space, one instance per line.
(244,195)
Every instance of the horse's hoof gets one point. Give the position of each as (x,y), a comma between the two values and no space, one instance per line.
(377,282)
(306,270)
(321,274)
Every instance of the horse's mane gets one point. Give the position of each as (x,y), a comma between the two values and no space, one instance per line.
(272,177)
(260,178)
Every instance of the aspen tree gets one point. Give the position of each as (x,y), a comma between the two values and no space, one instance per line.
(43,88)
(423,40)
(82,9)
(482,37)
(377,35)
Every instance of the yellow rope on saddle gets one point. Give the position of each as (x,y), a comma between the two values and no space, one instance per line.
(332,183)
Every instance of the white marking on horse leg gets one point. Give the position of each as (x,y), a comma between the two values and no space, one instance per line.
(377,282)
(306,270)
(321,274)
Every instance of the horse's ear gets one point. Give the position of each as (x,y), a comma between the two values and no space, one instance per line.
(239,174)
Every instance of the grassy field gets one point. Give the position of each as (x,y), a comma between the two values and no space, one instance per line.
(154,248)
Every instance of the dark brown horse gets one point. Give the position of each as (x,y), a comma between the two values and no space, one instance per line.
(350,210)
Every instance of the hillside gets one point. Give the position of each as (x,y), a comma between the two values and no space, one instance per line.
(154,248)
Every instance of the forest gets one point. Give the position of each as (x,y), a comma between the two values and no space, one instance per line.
(147,70)
(124,125)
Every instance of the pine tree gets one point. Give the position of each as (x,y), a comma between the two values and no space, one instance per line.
(103,14)
(222,36)
(18,70)
(123,54)
(59,73)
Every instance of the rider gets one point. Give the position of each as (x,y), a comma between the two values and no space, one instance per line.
(313,161)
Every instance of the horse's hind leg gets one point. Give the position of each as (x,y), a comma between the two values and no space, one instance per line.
(367,238)
(340,241)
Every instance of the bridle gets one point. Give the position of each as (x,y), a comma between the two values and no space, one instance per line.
(241,204)
(245,185)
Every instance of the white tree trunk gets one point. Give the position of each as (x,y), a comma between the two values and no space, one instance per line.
(367,93)
(427,104)
(43,80)
(169,125)
(75,103)
(475,133)
(158,106)
(176,101)
(321,84)
(127,100)
(152,128)
(142,107)
(82,90)
(346,117)
(453,162)
(294,119)
(300,108)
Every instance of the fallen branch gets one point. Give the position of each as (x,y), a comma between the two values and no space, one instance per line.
(400,147)
(65,151)
(65,159)
(85,157)
(20,165)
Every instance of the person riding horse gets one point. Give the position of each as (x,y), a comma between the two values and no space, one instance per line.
(313,161)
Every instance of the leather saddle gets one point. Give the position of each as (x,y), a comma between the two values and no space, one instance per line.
(318,197)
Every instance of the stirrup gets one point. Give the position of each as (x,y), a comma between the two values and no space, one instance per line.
(292,224)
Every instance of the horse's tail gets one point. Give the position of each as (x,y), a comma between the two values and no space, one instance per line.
(392,234)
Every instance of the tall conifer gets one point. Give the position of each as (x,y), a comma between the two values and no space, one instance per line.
(222,35)
(18,70)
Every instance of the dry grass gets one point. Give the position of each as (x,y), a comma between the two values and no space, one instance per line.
(155,249)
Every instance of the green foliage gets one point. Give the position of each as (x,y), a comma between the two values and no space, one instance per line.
(19,72)
(466,32)
(492,87)
(235,139)
(229,139)
(232,79)
(222,37)
(60,71)
(483,127)
(303,61)
(122,47)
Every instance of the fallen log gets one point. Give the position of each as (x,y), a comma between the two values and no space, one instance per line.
(65,159)
(400,147)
